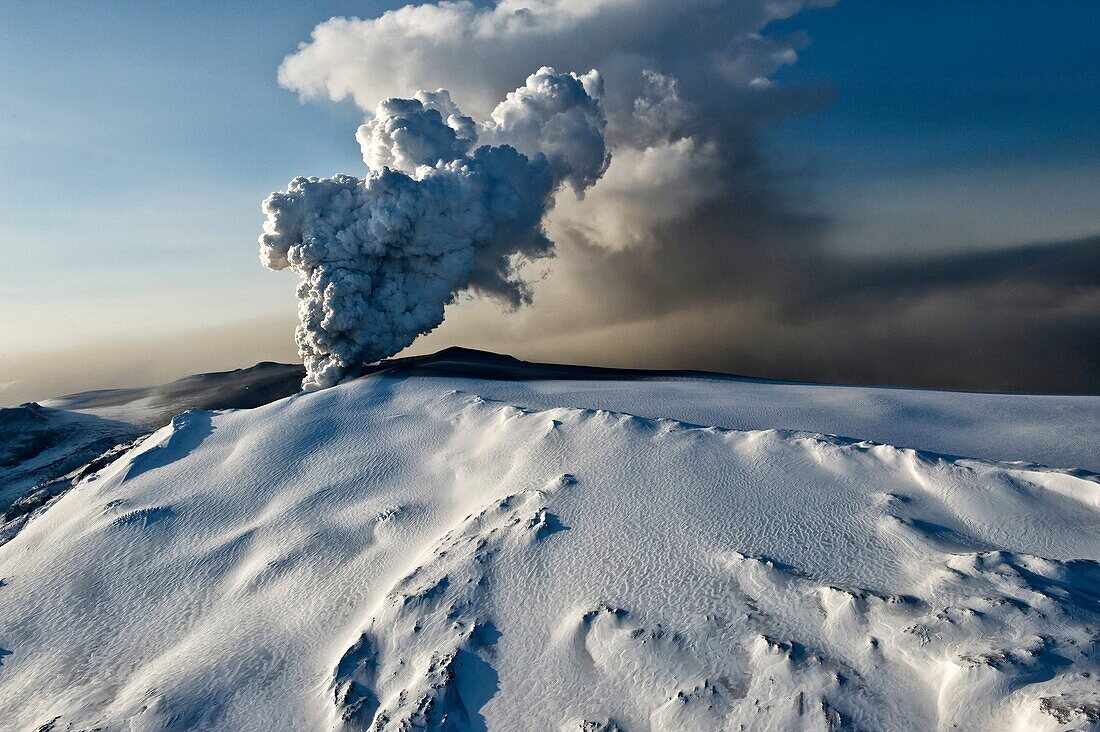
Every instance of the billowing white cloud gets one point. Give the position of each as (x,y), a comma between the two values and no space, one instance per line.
(380,257)
(478,53)
(559,116)
(407,133)
(682,84)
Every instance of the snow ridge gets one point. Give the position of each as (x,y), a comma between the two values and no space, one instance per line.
(423,662)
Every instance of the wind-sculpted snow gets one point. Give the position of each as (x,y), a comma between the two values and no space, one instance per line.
(393,553)
(382,256)
(423,662)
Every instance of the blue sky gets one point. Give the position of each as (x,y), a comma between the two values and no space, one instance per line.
(933,85)
(986,111)
(138,139)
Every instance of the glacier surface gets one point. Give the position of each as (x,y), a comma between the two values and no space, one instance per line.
(433,552)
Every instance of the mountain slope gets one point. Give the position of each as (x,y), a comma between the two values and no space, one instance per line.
(151,407)
(407,552)
(38,444)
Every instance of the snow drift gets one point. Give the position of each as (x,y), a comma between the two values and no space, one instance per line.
(405,552)
(381,257)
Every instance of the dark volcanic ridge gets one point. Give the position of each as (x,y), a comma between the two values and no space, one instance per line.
(470,363)
(267,381)
(237,389)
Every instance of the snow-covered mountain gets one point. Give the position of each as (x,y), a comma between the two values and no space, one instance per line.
(468,542)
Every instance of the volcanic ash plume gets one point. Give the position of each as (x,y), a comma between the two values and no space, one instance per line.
(380,257)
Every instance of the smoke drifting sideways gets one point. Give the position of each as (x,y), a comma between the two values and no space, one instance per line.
(381,257)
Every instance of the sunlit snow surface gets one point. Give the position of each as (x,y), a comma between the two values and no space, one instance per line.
(440,553)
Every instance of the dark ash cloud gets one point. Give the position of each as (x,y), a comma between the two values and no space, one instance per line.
(696,249)
(1018,319)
